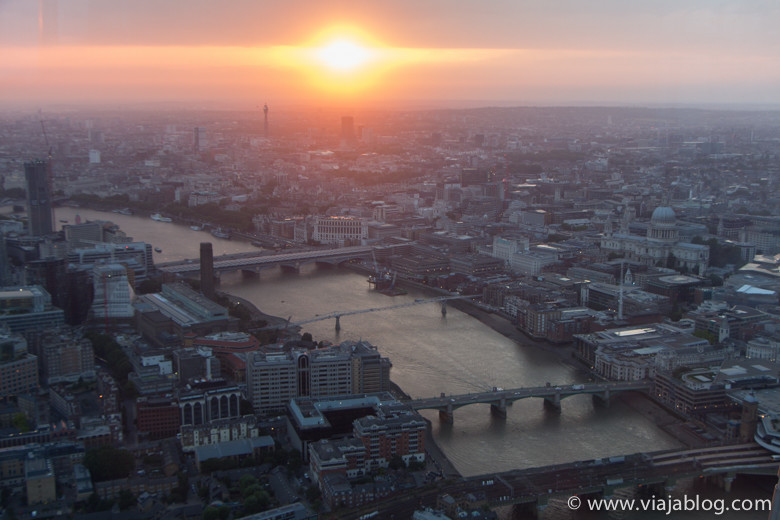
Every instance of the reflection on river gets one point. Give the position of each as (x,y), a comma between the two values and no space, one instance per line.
(430,354)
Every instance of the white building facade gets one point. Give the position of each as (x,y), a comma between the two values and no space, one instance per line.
(661,246)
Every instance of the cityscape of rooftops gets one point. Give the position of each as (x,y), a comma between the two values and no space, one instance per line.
(354,260)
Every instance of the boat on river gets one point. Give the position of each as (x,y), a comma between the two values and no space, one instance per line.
(220,233)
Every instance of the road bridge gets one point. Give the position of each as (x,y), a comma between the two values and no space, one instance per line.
(499,398)
(254,262)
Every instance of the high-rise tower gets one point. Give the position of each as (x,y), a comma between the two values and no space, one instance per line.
(4,271)
(199,138)
(40,219)
(206,269)
(265,120)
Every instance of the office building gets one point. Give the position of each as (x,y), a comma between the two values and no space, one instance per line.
(28,308)
(157,417)
(83,235)
(137,256)
(340,230)
(18,367)
(206,269)
(112,293)
(392,430)
(5,271)
(221,430)
(37,176)
(199,138)
(65,355)
(39,481)
(635,353)
(273,379)
(199,407)
(177,311)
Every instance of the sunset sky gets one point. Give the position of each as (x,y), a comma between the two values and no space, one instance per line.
(440,52)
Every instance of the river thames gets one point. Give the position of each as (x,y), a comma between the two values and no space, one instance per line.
(430,354)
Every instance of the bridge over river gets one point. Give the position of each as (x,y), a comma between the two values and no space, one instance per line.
(537,487)
(499,398)
(255,262)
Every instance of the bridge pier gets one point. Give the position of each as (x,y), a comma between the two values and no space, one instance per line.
(444,308)
(603,399)
(338,323)
(728,481)
(541,504)
(553,402)
(447,416)
(725,481)
(498,409)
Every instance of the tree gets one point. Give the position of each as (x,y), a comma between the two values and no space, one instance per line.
(312,493)
(705,334)
(396,462)
(109,463)
(257,502)
(416,465)
(294,460)
(246,482)
(126,499)
(216,513)
(20,422)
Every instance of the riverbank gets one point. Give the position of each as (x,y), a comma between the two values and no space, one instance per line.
(510,342)
(667,420)
(438,459)
(502,325)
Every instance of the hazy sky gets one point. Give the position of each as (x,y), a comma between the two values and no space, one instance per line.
(246,52)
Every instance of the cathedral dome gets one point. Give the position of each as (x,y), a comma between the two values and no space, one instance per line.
(663,216)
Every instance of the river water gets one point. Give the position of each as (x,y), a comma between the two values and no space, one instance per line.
(430,354)
(453,354)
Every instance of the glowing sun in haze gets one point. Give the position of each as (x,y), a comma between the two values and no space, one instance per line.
(343,55)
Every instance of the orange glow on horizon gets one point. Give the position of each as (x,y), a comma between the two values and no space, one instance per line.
(343,55)
(346,64)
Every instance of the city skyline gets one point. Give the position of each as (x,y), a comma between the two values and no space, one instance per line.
(366,54)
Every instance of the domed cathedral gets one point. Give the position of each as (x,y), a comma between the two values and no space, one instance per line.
(660,247)
(663,225)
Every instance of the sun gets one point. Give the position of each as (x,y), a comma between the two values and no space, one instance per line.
(343,55)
